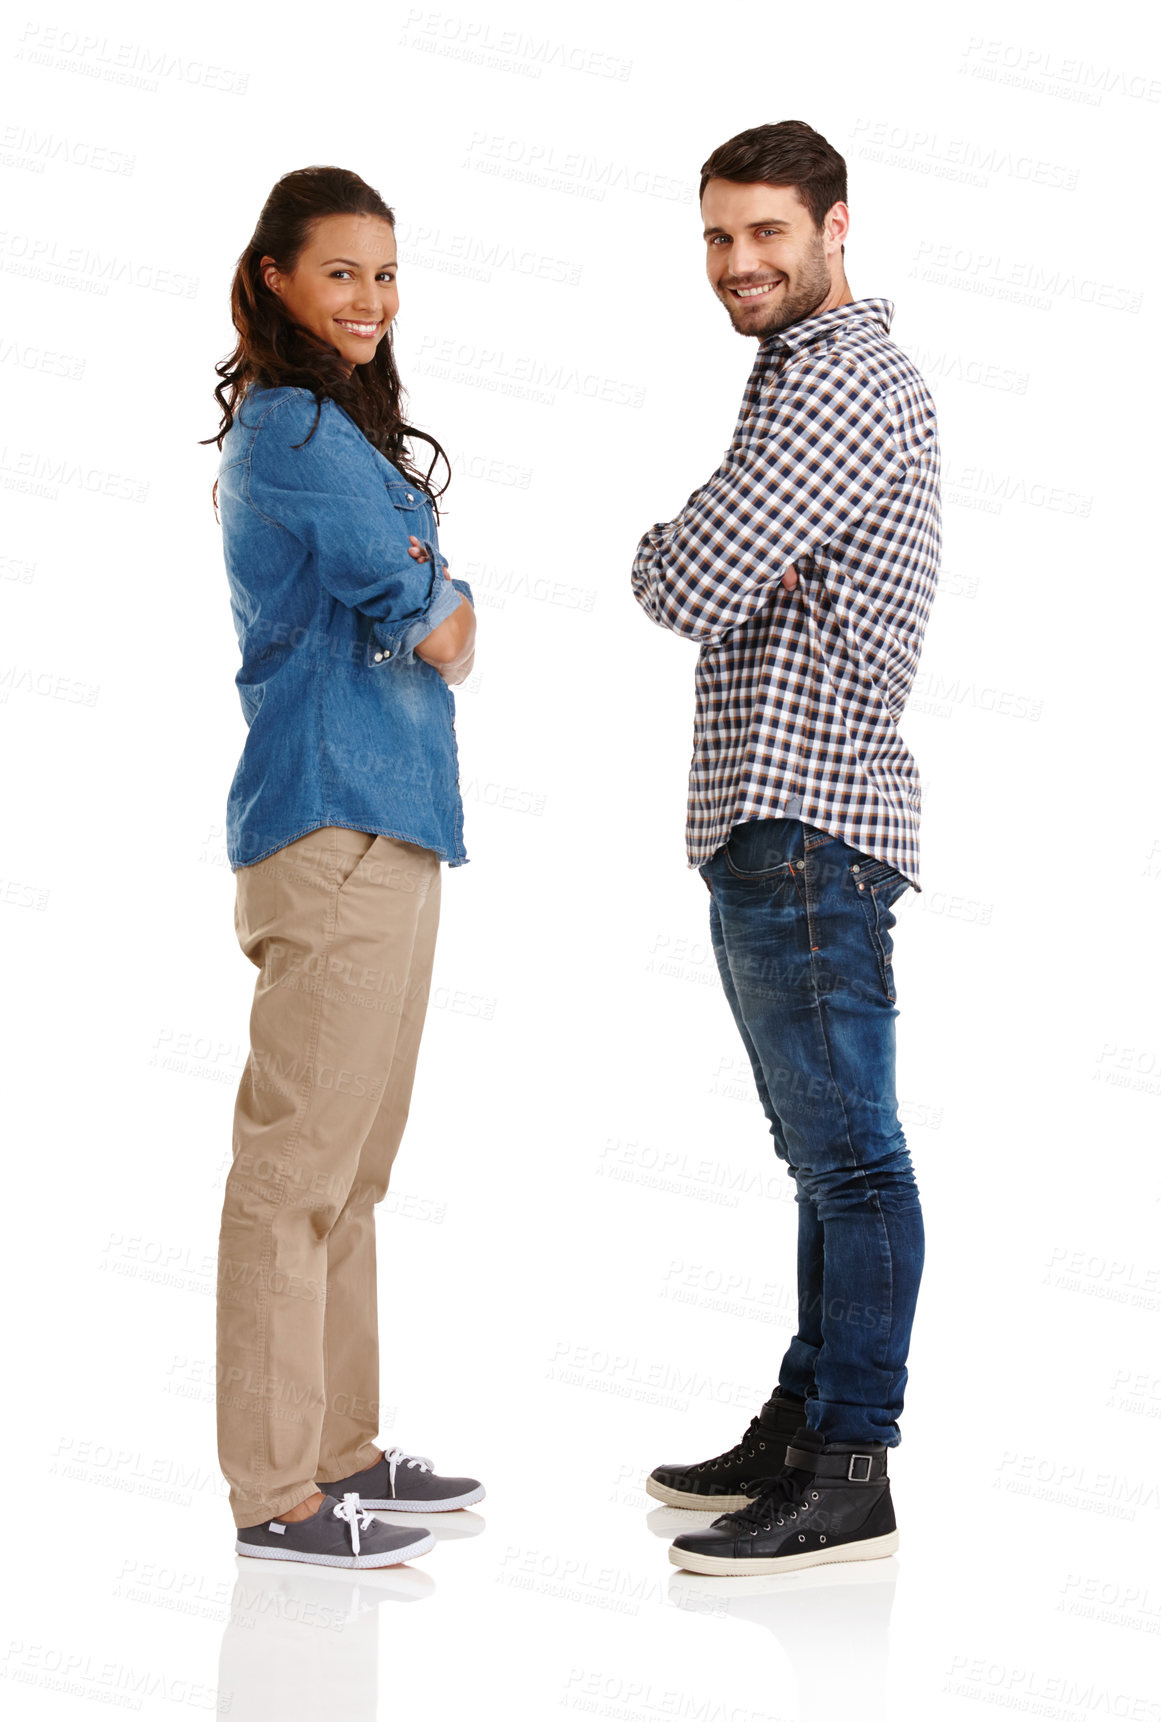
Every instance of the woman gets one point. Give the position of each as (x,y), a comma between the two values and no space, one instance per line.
(343,807)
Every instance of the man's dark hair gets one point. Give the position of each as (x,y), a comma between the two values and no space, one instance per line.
(789,153)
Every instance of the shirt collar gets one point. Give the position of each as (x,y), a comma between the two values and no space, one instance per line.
(810,329)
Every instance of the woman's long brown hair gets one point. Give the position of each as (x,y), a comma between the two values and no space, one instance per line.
(276,352)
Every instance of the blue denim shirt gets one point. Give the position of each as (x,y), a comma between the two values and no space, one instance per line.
(346,726)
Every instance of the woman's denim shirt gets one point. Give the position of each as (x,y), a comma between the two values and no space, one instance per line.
(346,726)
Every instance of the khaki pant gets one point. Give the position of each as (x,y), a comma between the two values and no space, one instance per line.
(341,926)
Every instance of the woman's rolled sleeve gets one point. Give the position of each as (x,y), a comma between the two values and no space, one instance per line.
(358,541)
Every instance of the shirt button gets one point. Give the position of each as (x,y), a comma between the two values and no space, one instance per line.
(855,868)
(801,865)
(410,498)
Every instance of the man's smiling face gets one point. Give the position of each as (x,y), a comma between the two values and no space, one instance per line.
(765,259)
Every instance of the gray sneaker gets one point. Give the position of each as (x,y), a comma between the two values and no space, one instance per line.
(340,1534)
(408,1484)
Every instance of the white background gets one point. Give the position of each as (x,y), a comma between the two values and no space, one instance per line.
(587,1252)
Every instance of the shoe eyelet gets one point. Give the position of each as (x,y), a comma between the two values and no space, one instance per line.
(765,1527)
(794,1514)
(814,1494)
(780,1521)
(801,1538)
(754,1532)
(822,1539)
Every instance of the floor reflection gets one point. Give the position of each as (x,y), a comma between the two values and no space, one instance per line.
(302,1642)
(444,1527)
(831,1621)
(669,1522)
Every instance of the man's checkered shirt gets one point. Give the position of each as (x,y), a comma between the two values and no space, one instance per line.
(833,470)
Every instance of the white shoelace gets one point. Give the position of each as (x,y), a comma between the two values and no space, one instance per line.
(357,1517)
(397,1457)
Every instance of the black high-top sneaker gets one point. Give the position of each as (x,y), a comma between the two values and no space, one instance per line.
(831,1502)
(725,1482)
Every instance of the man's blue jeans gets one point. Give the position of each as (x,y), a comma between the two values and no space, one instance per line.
(801,926)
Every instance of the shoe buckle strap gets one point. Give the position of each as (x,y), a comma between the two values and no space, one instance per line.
(851,1467)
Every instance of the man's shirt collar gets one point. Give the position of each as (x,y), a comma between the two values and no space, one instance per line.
(811,329)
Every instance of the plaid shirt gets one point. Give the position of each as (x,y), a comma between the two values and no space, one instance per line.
(833,470)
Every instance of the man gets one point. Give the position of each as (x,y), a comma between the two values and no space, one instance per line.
(805,569)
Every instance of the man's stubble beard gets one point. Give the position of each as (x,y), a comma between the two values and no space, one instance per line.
(812,288)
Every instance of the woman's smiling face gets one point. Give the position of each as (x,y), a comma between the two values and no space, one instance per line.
(343,285)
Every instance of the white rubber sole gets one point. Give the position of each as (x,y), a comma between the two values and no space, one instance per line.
(873,1549)
(699,1503)
(448,1505)
(388,1558)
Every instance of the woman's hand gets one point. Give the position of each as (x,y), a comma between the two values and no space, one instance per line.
(450,647)
(415,548)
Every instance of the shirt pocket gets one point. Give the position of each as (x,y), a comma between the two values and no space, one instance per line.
(412,504)
(415,514)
